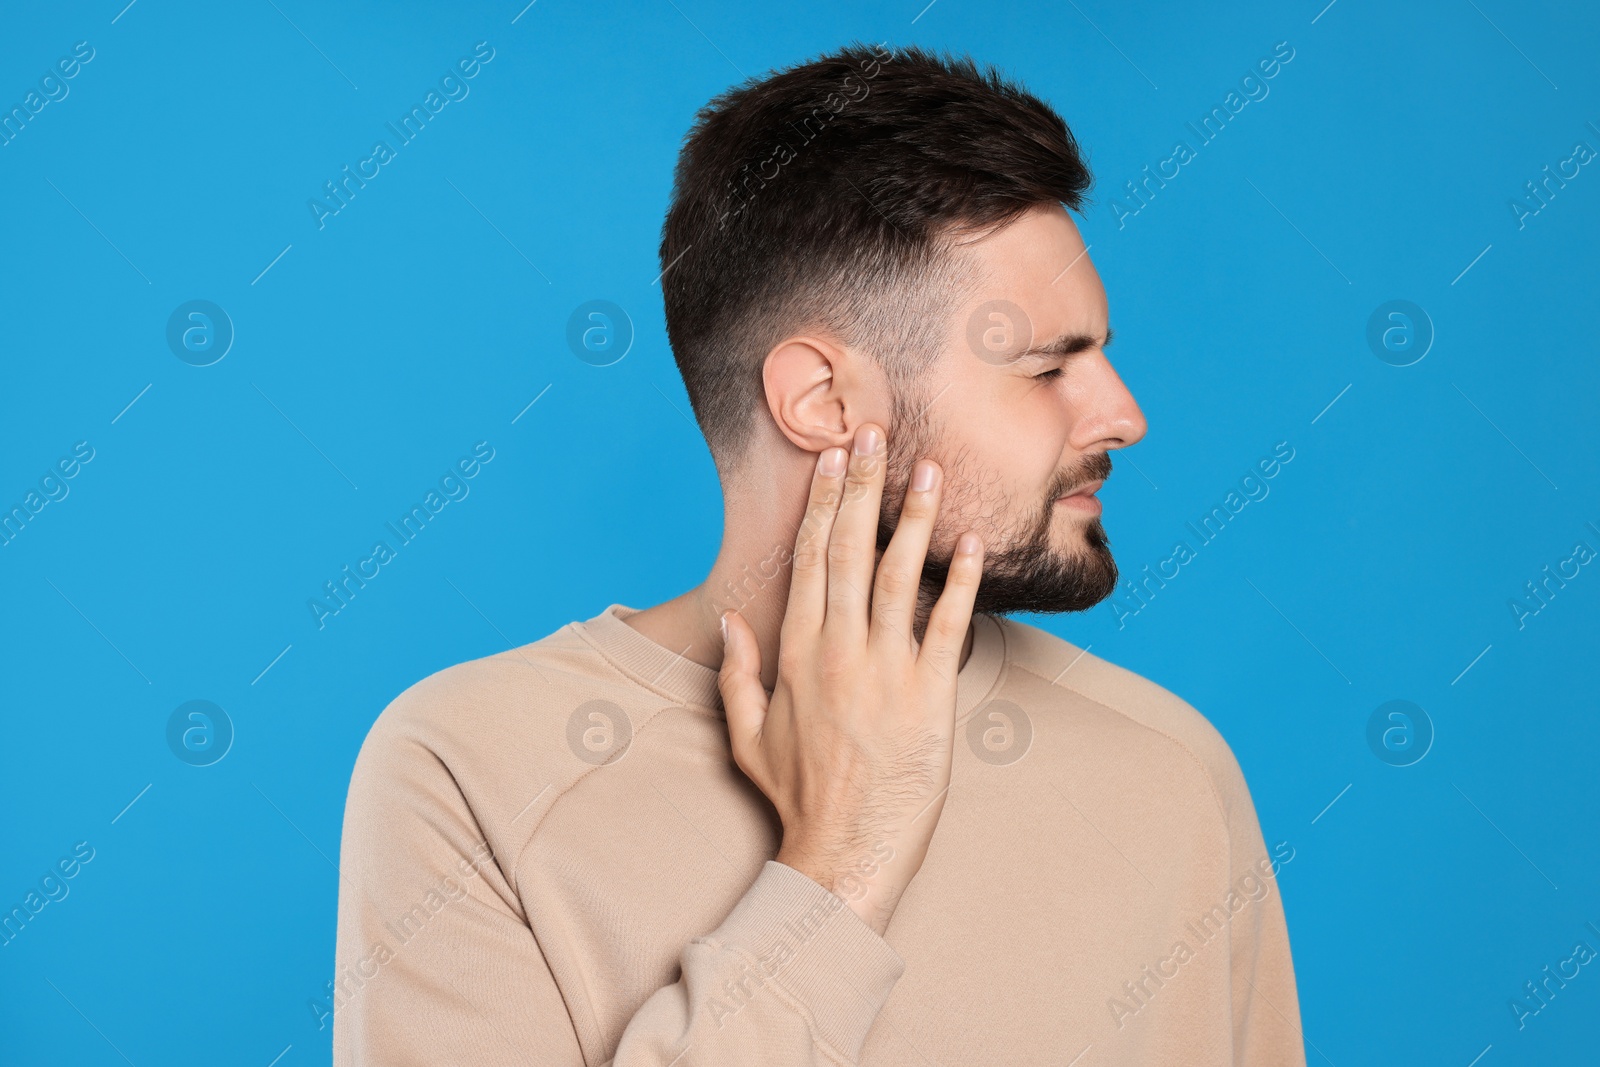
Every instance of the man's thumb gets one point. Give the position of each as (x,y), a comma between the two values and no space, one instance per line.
(743,697)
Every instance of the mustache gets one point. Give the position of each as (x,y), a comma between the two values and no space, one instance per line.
(1095,467)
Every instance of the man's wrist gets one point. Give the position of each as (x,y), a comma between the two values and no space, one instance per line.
(871,898)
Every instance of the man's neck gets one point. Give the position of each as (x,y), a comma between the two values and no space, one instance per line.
(688,624)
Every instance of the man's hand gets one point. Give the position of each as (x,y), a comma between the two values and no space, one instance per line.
(854,745)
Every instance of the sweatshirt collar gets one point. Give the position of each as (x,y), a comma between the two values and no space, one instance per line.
(675,676)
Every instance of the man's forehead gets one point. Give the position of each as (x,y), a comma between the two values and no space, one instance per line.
(1036,295)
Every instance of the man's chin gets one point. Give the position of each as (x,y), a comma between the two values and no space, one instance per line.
(1047,580)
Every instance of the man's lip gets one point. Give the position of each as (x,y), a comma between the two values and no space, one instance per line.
(1085,490)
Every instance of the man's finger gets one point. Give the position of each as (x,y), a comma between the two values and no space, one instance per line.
(744,699)
(894,589)
(947,625)
(808,580)
(852,548)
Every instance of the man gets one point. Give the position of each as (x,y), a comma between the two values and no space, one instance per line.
(828,807)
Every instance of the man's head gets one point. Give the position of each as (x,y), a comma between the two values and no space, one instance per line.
(880,236)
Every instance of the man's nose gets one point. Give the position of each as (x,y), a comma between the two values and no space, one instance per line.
(1108,416)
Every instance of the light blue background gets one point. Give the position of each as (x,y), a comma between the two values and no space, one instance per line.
(431,310)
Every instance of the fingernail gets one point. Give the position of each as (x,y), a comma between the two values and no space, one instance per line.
(723,621)
(831,462)
(922,477)
(968,544)
(866,441)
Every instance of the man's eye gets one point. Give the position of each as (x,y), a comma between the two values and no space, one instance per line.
(1049,375)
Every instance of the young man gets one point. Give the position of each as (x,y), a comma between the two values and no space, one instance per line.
(828,807)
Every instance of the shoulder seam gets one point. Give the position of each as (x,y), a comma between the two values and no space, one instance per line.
(516,862)
(1185,749)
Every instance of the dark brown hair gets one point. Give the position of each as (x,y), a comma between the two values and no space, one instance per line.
(823,197)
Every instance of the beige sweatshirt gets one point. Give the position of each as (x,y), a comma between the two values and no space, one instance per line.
(550,858)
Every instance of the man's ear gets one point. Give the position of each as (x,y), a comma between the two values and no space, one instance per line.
(813,392)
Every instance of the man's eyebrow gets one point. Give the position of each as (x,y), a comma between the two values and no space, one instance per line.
(1069,343)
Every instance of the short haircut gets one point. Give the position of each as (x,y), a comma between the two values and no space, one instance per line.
(825,197)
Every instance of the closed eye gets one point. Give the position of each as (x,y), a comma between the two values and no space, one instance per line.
(1050,375)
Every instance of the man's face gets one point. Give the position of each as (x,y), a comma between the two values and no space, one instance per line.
(1016,429)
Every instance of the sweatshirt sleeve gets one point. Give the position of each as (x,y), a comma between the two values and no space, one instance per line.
(792,976)
(1265,1003)
(436,962)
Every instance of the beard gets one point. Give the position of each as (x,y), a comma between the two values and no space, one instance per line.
(1023,571)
